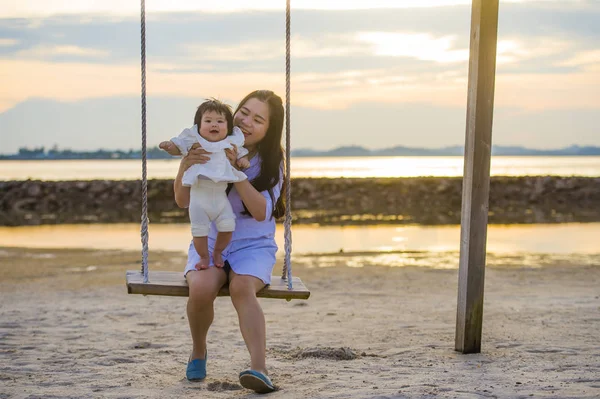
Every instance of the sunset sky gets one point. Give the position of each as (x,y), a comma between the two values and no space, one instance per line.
(370,73)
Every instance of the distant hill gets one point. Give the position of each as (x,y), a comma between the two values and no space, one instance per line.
(348,151)
(356,151)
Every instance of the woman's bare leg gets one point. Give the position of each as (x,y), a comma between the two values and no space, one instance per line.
(204,287)
(243,291)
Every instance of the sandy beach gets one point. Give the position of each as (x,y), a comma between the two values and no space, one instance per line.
(68,329)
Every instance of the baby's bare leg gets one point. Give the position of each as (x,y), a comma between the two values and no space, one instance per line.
(223,239)
(201,246)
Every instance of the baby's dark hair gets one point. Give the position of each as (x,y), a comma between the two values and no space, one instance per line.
(216,106)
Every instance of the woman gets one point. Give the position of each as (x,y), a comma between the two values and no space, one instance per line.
(250,256)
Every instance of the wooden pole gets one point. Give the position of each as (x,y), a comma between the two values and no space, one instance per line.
(476,179)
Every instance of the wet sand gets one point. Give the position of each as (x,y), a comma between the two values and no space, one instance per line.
(69,329)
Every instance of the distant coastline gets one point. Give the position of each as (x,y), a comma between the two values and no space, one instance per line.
(398,151)
(346,151)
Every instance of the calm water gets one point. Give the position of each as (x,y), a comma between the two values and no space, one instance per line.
(502,239)
(532,246)
(308,167)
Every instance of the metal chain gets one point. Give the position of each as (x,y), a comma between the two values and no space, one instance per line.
(144,226)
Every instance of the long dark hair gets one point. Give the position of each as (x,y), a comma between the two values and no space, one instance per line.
(270,150)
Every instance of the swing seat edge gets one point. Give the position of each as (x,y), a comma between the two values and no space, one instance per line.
(174,284)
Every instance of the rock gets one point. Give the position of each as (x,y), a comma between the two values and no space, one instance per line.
(426,200)
(34,190)
(24,205)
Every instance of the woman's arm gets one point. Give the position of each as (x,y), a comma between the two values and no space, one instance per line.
(182,193)
(254,200)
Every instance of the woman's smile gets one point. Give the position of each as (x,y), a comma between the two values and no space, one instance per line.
(245,132)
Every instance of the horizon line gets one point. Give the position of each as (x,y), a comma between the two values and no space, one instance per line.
(349,146)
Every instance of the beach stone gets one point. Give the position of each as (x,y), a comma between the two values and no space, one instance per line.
(97,187)
(34,190)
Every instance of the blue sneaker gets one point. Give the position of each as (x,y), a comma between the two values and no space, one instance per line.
(196,369)
(256,381)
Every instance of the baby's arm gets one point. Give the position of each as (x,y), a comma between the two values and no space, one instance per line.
(170,148)
(181,144)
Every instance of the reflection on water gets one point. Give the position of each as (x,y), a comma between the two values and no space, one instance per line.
(445,260)
(409,245)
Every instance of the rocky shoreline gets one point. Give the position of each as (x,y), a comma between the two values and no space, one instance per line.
(423,200)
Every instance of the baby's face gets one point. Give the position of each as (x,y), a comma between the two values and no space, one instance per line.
(213,126)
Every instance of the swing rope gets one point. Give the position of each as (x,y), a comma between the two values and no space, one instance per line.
(144,174)
(287,265)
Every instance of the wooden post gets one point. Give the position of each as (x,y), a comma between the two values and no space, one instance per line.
(476,179)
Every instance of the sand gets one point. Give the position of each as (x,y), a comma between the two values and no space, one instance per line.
(68,329)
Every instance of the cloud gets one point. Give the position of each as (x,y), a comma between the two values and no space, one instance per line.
(244,51)
(8,42)
(339,58)
(69,81)
(421,46)
(578,89)
(519,49)
(585,58)
(29,8)
(168,34)
(45,52)
(63,81)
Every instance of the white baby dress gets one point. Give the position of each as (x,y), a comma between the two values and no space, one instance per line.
(218,168)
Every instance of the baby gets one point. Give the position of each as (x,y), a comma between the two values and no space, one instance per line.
(213,130)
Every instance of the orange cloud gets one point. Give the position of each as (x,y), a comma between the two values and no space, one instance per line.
(76,81)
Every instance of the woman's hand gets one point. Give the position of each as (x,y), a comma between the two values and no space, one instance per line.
(232,154)
(196,155)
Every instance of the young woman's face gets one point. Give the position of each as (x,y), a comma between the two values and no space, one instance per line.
(213,126)
(253,119)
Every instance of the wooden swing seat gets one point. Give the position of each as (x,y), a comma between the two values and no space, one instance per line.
(174,284)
